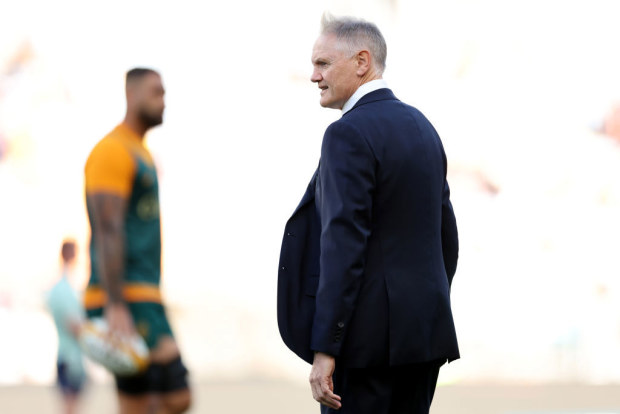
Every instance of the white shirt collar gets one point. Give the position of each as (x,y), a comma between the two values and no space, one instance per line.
(365,89)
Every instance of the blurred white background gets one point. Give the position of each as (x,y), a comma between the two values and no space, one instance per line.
(516,89)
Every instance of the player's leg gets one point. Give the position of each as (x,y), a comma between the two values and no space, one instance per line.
(168,375)
(176,402)
(134,404)
(70,386)
(173,390)
(70,401)
(134,394)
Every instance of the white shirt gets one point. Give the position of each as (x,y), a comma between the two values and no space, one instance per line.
(365,89)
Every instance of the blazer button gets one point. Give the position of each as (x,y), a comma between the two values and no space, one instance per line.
(289,234)
(341,325)
(283,268)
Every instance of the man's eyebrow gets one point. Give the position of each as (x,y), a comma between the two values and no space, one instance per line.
(319,60)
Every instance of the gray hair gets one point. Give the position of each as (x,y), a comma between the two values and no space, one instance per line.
(357,34)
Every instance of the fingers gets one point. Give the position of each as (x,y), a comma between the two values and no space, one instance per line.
(328,398)
(321,381)
(322,391)
(125,327)
(118,325)
(75,327)
(119,320)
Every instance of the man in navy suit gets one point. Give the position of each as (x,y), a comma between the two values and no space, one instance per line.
(369,255)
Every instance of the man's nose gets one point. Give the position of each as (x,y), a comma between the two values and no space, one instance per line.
(316,76)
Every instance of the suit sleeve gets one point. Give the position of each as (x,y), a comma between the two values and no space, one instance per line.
(449,235)
(346,186)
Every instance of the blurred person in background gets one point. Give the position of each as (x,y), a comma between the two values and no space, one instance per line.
(122,199)
(369,255)
(611,123)
(68,315)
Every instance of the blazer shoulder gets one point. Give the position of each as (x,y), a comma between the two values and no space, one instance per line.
(351,128)
(348,126)
(348,134)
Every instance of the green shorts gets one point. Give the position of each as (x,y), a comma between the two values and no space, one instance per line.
(149,319)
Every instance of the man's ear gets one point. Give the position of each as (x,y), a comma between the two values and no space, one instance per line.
(363,62)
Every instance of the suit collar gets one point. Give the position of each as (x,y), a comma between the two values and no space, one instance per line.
(364,89)
(383,94)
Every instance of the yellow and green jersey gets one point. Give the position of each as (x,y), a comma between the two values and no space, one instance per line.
(121,165)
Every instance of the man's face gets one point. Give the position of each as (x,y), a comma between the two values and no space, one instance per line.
(68,252)
(335,72)
(150,100)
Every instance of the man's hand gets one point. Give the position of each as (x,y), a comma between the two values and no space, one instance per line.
(119,319)
(75,327)
(321,380)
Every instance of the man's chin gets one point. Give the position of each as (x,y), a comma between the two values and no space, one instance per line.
(329,104)
(152,122)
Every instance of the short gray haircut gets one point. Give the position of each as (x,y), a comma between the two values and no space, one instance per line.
(357,34)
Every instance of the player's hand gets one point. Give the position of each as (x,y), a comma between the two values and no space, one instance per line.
(321,380)
(119,319)
(75,327)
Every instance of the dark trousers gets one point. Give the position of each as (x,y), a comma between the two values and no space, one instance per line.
(406,389)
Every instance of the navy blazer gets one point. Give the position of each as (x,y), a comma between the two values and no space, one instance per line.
(369,255)
(298,276)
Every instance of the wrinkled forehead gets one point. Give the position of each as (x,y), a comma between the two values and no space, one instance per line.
(327,47)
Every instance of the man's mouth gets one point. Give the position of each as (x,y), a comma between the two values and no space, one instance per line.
(323,89)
